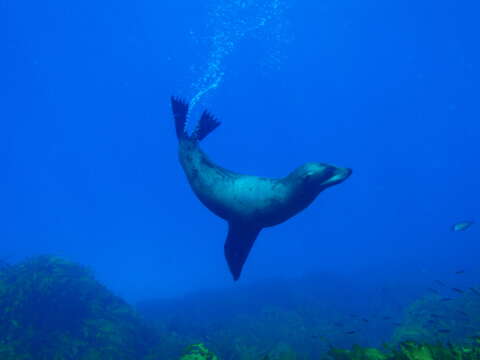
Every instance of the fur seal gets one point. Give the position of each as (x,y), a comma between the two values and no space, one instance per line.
(248,203)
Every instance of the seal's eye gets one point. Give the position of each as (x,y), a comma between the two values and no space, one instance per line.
(318,177)
(307,177)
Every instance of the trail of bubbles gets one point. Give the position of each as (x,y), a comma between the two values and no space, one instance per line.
(230,22)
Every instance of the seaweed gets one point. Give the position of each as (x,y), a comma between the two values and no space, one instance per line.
(198,352)
(409,350)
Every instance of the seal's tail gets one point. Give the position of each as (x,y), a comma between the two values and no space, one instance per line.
(205,126)
(180,111)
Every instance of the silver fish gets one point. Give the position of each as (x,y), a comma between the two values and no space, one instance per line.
(462,226)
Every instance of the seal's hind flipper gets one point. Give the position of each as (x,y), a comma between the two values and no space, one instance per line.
(239,241)
(205,126)
(180,111)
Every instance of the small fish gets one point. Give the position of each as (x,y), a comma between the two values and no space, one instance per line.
(458,290)
(431,321)
(439,283)
(462,226)
(436,316)
(475,291)
(397,324)
(458,272)
(386,317)
(320,337)
(350,332)
(433,291)
(462,312)
(443,331)
(364,320)
(446,299)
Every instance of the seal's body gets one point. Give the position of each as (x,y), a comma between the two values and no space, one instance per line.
(249,203)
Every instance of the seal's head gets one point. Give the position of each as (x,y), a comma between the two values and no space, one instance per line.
(312,178)
(319,176)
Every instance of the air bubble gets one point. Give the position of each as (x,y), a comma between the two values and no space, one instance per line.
(232,22)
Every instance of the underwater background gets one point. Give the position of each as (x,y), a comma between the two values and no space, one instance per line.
(93,198)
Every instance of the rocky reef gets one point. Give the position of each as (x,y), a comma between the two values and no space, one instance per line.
(433,318)
(53,309)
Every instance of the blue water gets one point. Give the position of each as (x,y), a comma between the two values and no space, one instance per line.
(89,155)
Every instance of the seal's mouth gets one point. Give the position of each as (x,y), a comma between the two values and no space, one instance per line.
(338,175)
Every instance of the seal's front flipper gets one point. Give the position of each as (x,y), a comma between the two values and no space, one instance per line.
(239,241)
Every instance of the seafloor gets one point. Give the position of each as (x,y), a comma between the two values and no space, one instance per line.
(53,309)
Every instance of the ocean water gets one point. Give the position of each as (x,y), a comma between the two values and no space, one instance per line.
(90,169)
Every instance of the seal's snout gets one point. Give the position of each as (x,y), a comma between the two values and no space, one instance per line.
(345,172)
(338,175)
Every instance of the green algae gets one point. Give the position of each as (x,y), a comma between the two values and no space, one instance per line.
(198,352)
(409,350)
